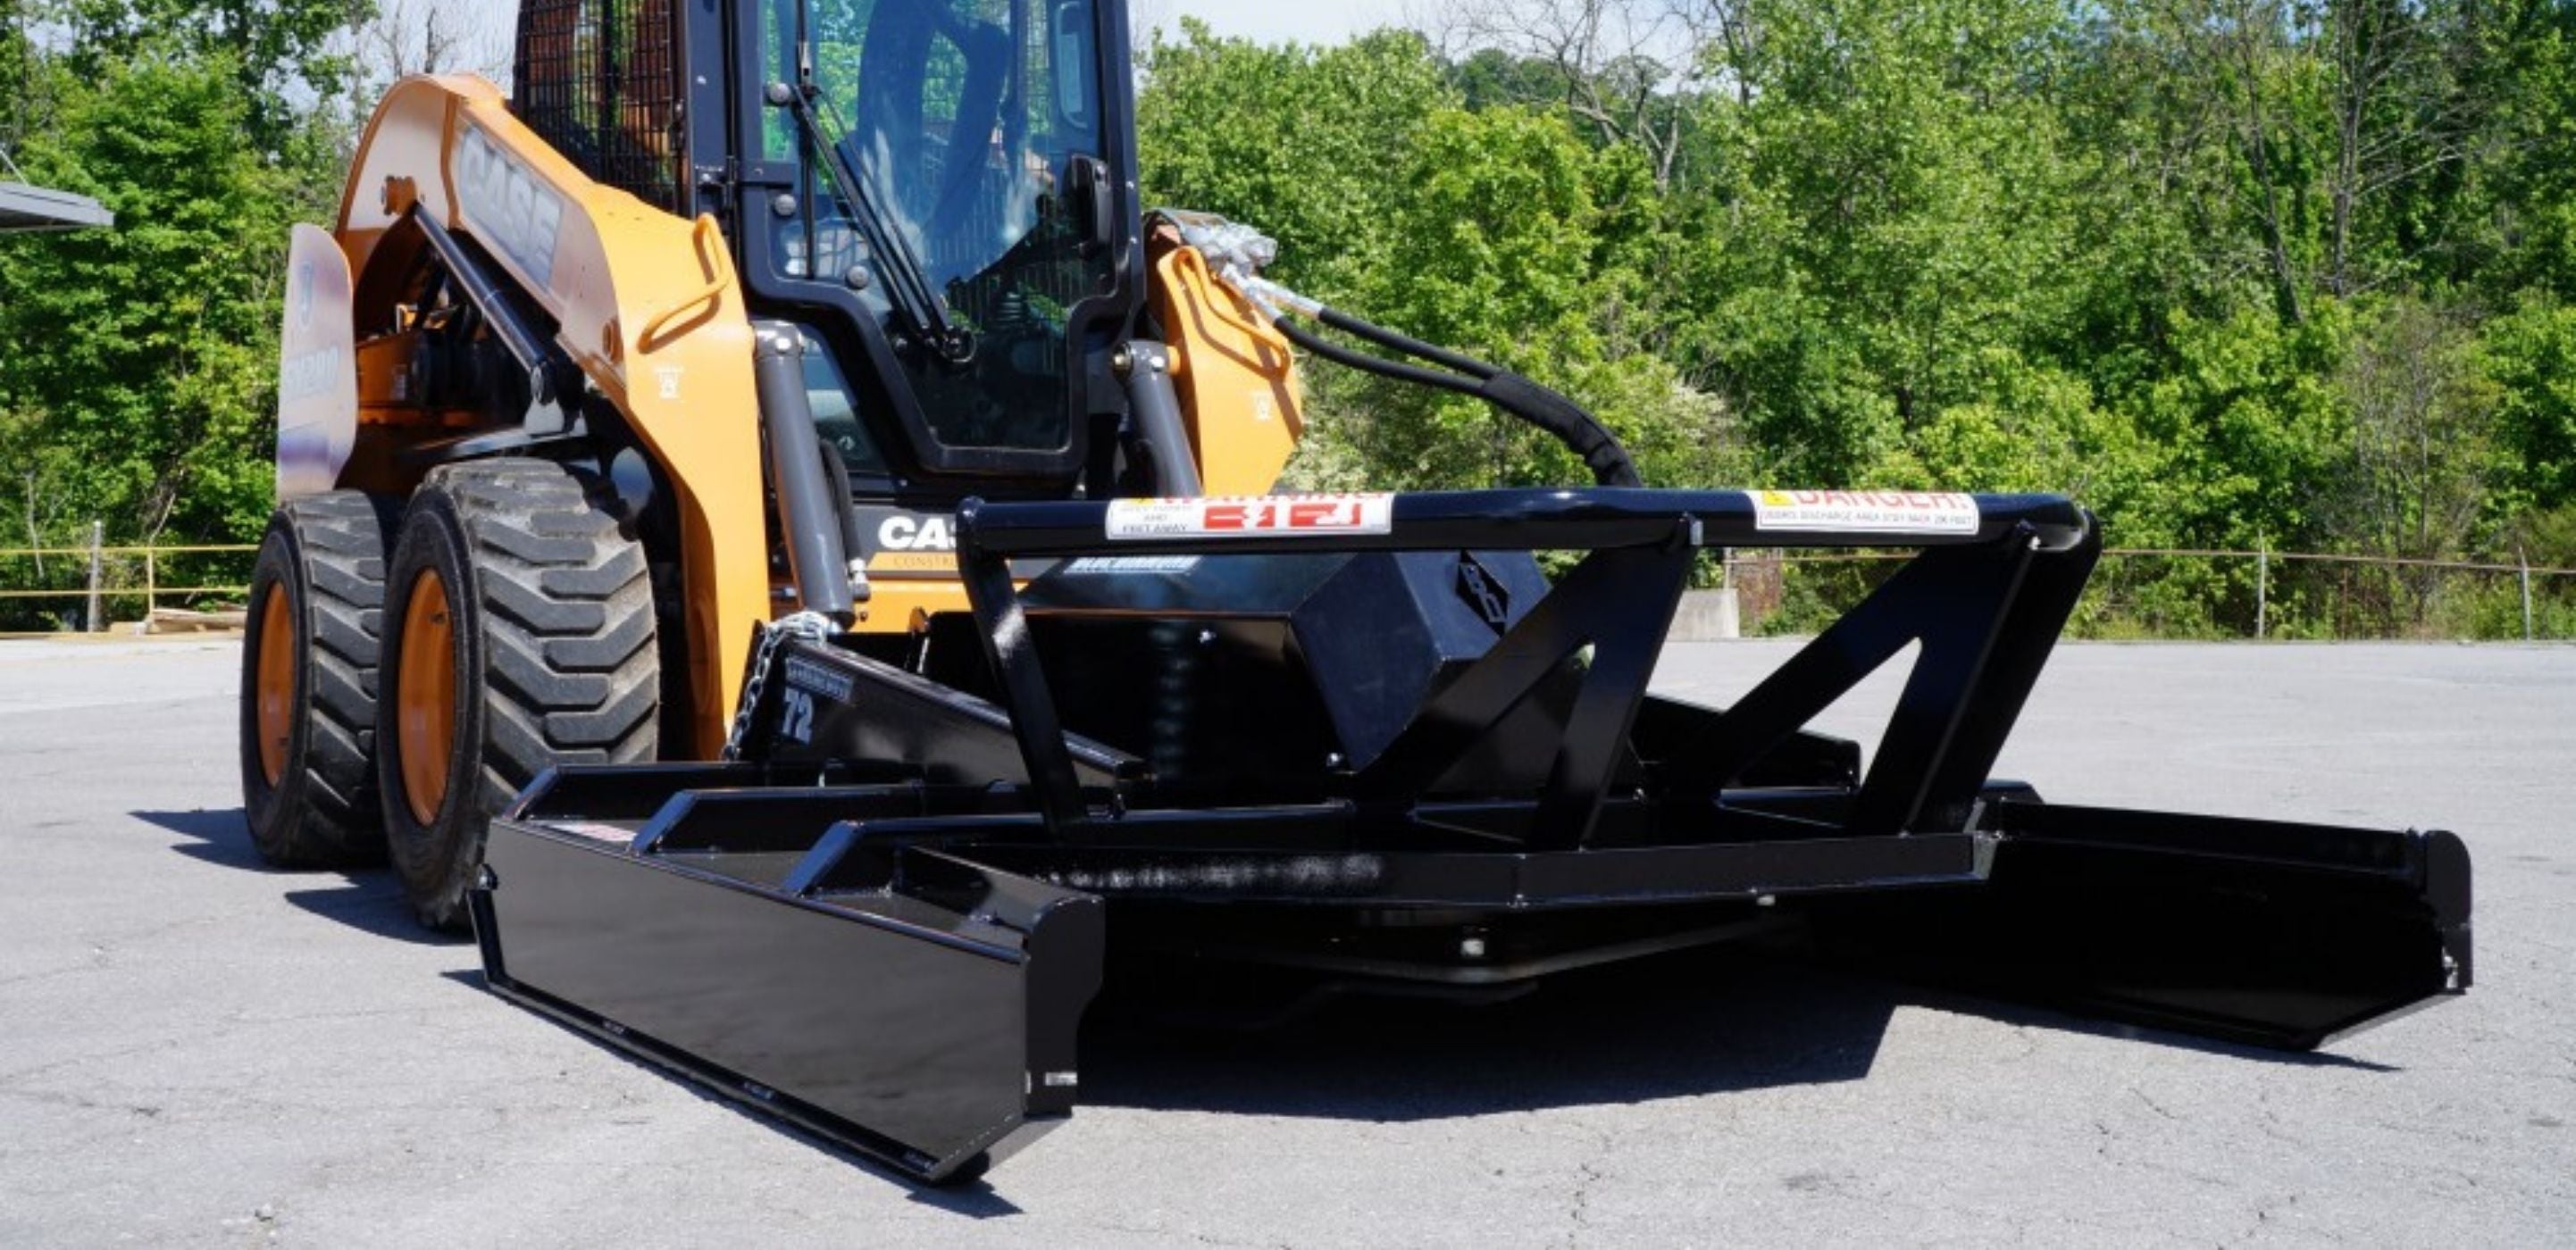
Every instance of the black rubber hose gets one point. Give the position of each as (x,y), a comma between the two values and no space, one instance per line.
(853,544)
(1380,366)
(1580,431)
(1405,343)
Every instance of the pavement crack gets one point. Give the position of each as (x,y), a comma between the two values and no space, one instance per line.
(97,962)
(9,1079)
(80,1102)
(1587,1174)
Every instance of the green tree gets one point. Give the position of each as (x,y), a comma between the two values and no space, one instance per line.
(1524,244)
(1892,206)
(2422,416)
(150,354)
(283,56)
(1298,141)
(2530,357)
(1497,232)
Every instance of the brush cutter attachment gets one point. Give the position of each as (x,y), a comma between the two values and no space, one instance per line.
(1362,739)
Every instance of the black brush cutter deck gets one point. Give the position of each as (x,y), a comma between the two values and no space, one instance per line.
(1361,737)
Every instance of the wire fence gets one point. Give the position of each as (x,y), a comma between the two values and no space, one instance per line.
(2182,593)
(55,590)
(2192,593)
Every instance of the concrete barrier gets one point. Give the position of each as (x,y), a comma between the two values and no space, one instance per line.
(1706,616)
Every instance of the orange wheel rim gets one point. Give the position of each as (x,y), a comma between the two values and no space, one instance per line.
(425,696)
(276,690)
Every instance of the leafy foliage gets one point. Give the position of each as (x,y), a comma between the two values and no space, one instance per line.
(2297,273)
(2232,272)
(143,391)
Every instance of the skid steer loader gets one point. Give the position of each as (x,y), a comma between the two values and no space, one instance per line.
(775,537)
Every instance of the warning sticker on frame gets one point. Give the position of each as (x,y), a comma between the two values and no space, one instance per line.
(1253,516)
(593,830)
(1127,566)
(1864,511)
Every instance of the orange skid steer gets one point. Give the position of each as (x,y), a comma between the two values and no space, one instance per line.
(779,541)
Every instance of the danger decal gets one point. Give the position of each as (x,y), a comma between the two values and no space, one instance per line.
(1864,511)
(1260,516)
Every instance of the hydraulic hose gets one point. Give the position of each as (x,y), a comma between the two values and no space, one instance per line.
(1580,432)
(1237,253)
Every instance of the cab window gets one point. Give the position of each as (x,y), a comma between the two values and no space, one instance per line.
(962,119)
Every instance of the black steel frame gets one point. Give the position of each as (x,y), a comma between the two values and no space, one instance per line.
(919,939)
(1987,608)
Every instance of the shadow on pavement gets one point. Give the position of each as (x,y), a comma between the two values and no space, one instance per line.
(373,903)
(2025,1015)
(222,835)
(1692,1023)
(368,901)
(1699,1022)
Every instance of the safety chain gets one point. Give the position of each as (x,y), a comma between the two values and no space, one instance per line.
(809,626)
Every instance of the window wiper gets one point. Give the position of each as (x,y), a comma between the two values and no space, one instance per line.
(907,282)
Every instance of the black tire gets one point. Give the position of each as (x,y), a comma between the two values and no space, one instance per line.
(324,559)
(550,614)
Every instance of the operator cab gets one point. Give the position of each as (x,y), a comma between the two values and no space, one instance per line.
(939,193)
(928,195)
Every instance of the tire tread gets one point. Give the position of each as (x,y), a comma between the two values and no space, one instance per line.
(337,540)
(563,601)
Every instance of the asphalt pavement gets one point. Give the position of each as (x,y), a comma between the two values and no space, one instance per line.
(197,1051)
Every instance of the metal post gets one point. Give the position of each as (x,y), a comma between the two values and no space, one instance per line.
(2523,558)
(151,578)
(97,538)
(2262,586)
